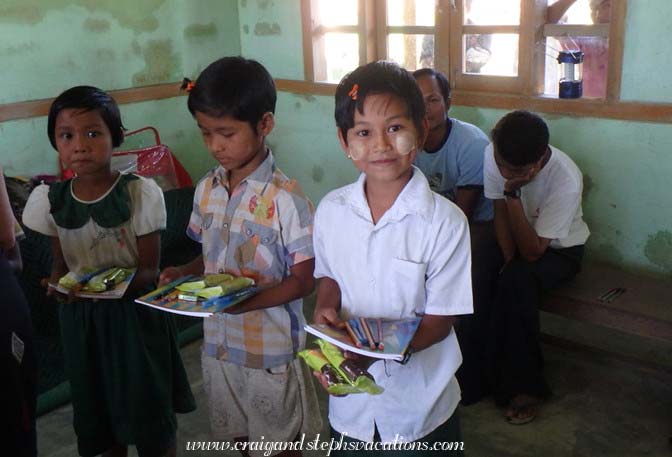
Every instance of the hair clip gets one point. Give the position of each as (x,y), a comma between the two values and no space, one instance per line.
(187,85)
(353,91)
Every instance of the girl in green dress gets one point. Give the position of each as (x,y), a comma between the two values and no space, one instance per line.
(125,370)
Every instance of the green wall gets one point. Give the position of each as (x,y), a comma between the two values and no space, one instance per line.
(47,46)
(627,165)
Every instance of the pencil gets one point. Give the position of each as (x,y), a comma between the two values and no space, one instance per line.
(607,293)
(358,331)
(367,333)
(620,291)
(611,294)
(352,335)
(379,324)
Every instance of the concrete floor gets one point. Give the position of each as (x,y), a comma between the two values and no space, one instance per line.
(603,406)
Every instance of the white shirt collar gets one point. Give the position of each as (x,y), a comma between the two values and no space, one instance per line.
(415,198)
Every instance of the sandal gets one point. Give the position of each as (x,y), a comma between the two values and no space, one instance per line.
(522,410)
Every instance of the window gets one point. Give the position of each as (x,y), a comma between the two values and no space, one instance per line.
(483,46)
(335,35)
(582,28)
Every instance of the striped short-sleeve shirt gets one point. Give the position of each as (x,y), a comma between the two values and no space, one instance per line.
(260,229)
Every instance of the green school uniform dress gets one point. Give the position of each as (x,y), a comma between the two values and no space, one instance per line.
(122,359)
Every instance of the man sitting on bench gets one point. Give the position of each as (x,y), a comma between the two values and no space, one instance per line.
(540,231)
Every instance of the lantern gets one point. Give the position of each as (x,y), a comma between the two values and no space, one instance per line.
(571,73)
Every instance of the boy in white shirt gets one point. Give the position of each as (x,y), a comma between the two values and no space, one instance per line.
(541,233)
(387,246)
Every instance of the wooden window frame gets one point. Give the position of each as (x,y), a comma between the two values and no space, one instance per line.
(315,67)
(526,96)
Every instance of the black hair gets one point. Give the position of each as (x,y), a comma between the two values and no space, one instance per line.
(520,138)
(441,80)
(88,98)
(377,78)
(234,86)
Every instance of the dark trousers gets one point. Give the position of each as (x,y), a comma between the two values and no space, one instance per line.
(515,347)
(471,329)
(18,369)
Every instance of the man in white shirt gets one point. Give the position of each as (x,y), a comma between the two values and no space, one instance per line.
(541,233)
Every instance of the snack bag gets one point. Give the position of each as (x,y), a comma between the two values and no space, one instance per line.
(353,374)
(336,384)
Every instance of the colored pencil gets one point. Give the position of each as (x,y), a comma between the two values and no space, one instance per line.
(352,335)
(608,296)
(620,291)
(367,333)
(607,293)
(379,324)
(359,331)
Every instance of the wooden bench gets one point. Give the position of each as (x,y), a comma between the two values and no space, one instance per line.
(645,309)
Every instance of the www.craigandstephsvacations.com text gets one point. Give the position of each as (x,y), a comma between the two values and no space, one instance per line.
(303,444)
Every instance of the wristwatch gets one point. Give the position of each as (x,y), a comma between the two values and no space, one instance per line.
(407,356)
(512,193)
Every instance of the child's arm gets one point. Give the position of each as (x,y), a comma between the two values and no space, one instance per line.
(7,235)
(298,284)
(13,256)
(432,329)
(149,254)
(467,199)
(328,302)
(58,266)
(195,267)
(503,231)
(530,245)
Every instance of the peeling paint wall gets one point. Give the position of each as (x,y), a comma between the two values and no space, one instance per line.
(48,46)
(627,166)
(271,33)
(306,146)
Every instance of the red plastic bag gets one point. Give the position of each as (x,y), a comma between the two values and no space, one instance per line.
(156,162)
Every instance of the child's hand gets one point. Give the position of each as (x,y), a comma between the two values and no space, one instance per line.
(516,183)
(328,316)
(169,274)
(361,361)
(322,379)
(53,292)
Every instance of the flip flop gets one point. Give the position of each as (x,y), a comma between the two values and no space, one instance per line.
(523,411)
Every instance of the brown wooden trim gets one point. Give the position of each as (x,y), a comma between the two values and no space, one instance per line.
(632,111)
(36,108)
(322,29)
(476,82)
(411,29)
(525,51)
(442,37)
(574,30)
(616,45)
(490,29)
(307,39)
(640,112)
(381,29)
(454,9)
(305,87)
(369,33)
(537,70)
